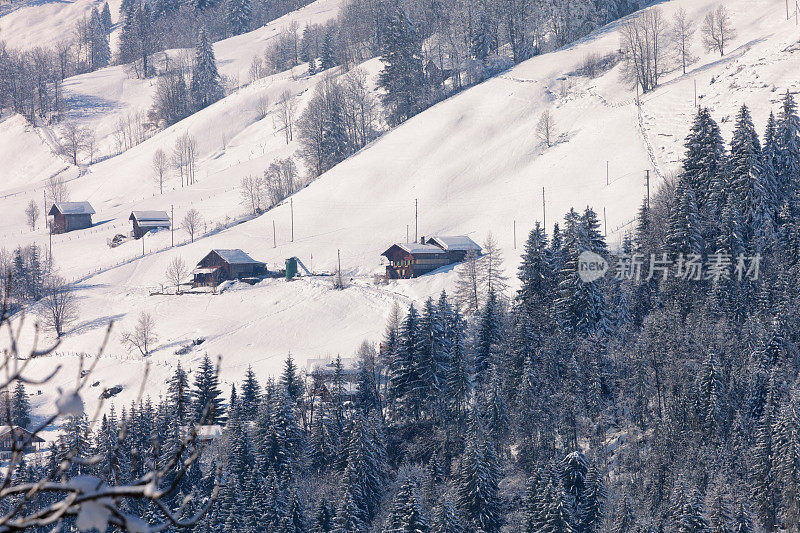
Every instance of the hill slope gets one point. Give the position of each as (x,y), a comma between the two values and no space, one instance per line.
(473,163)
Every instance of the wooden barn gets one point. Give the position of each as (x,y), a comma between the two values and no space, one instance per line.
(144,221)
(11,435)
(323,375)
(409,260)
(71,216)
(222,265)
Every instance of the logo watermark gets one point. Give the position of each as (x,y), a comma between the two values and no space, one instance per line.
(688,267)
(591,266)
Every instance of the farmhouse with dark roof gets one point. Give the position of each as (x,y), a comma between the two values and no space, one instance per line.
(409,260)
(222,265)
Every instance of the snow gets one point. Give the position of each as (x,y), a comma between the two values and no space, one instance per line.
(74,208)
(69,403)
(473,164)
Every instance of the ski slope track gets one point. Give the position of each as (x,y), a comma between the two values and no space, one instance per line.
(473,162)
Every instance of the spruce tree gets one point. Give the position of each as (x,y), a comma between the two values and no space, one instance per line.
(788,160)
(406,382)
(407,515)
(105,18)
(593,501)
(751,184)
(478,483)
(703,164)
(328,61)
(20,406)
(403,77)
(685,230)
(290,380)
(251,395)
(323,518)
(489,336)
(205,88)
(207,395)
(239,14)
(446,518)
(179,397)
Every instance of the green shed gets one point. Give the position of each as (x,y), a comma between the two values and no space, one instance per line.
(291,268)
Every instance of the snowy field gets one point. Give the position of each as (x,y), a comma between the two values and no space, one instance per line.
(473,162)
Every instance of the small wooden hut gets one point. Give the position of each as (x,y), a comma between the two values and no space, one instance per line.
(144,221)
(70,216)
(222,265)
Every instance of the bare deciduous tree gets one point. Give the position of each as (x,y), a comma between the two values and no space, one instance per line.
(468,286)
(251,189)
(160,169)
(492,260)
(56,190)
(717,29)
(643,43)
(286,111)
(262,106)
(143,336)
(176,272)
(183,157)
(59,307)
(32,214)
(280,180)
(90,142)
(546,128)
(73,141)
(682,32)
(191,222)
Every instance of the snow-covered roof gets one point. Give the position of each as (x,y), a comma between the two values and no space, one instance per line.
(20,431)
(454,242)
(204,270)
(416,249)
(72,208)
(325,365)
(150,218)
(206,432)
(236,257)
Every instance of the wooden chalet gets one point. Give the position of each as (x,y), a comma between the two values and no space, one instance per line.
(71,216)
(222,265)
(409,260)
(9,435)
(323,376)
(144,221)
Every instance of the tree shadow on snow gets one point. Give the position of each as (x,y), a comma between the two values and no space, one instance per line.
(97,323)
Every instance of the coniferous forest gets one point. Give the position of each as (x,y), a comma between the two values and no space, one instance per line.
(662,397)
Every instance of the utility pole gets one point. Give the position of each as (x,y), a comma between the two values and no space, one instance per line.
(274,239)
(406,232)
(416,220)
(172,224)
(605,223)
(291,207)
(787,9)
(648,188)
(544,211)
(515,234)
(143,243)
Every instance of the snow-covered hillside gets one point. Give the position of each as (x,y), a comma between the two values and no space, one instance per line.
(473,163)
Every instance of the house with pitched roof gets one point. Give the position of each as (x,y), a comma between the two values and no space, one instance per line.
(409,260)
(144,221)
(225,264)
(70,216)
